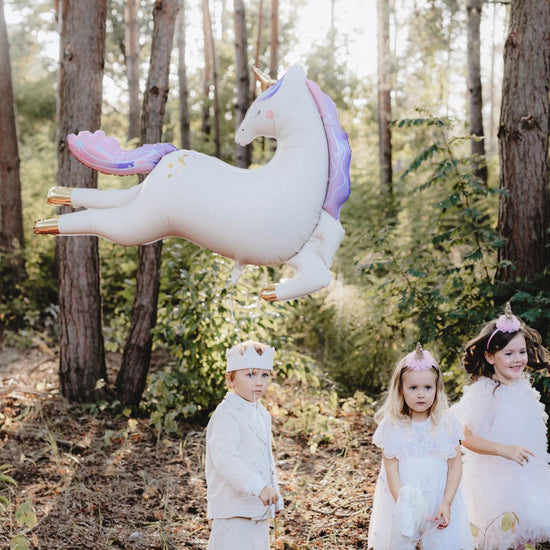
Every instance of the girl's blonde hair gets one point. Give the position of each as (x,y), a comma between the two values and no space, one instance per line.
(394,405)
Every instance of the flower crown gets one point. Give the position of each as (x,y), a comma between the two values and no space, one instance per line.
(250,359)
(420,360)
(507,322)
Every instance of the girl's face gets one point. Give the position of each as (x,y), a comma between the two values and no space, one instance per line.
(510,361)
(250,384)
(419,391)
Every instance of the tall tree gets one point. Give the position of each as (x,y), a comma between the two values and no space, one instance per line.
(474,88)
(136,357)
(211,65)
(258,47)
(132,64)
(185,123)
(274,40)
(82,50)
(384,96)
(242,154)
(524,208)
(11,217)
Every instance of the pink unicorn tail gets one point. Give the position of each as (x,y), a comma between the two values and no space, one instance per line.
(105,155)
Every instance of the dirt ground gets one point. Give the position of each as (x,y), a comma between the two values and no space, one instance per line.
(98,482)
(94,481)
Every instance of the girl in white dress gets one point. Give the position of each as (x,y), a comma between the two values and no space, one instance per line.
(418,496)
(506,463)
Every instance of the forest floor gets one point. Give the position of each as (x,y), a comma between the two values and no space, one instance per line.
(97,482)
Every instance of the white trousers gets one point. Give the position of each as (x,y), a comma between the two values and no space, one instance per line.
(239,534)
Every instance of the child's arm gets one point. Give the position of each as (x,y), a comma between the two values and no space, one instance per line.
(223,445)
(483,446)
(268,496)
(454,473)
(391,465)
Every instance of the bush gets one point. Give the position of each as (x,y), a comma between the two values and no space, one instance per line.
(200,315)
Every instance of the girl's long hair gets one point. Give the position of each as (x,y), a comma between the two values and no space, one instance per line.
(473,359)
(394,406)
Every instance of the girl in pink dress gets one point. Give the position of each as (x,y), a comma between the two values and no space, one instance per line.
(417,496)
(506,463)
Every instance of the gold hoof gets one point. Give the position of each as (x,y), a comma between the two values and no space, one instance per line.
(60,195)
(49,226)
(268,293)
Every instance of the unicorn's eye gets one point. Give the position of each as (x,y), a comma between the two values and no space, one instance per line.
(258,113)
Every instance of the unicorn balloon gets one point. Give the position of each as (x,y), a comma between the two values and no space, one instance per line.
(283,212)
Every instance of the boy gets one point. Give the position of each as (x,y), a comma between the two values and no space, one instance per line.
(242,487)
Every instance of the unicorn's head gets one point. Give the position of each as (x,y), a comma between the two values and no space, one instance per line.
(278,104)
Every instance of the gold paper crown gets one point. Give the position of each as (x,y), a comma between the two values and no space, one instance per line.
(251,359)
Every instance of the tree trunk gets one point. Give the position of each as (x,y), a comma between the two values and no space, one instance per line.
(474,88)
(384,98)
(185,123)
(132,64)
(242,154)
(210,48)
(274,43)
(258,50)
(11,218)
(524,210)
(136,357)
(82,49)
(206,126)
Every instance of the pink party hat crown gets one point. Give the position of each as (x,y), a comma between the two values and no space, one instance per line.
(507,322)
(420,360)
(251,359)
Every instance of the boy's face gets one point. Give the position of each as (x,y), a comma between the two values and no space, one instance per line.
(250,384)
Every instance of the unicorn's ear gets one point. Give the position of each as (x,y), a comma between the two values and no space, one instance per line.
(296,72)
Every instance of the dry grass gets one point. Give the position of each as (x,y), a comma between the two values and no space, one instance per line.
(101,482)
(98,482)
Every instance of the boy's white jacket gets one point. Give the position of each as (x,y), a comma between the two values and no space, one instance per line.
(239,460)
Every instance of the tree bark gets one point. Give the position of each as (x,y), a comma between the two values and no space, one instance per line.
(524,208)
(210,52)
(274,42)
(258,48)
(11,217)
(82,49)
(206,126)
(243,155)
(474,88)
(136,357)
(384,98)
(132,65)
(185,123)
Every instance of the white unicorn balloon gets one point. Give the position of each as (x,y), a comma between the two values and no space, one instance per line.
(265,216)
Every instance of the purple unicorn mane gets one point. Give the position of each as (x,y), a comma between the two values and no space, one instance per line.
(338,188)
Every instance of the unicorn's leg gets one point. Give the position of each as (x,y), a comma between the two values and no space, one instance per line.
(92,198)
(330,233)
(311,274)
(120,225)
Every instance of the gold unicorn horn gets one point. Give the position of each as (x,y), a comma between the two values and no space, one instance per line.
(264,80)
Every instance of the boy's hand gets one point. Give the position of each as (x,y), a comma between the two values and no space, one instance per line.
(268,496)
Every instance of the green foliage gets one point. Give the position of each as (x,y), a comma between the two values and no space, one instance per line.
(200,315)
(434,265)
(23,515)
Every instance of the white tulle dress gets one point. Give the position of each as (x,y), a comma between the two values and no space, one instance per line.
(422,450)
(493,485)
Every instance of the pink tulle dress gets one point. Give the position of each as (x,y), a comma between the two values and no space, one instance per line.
(493,486)
(422,449)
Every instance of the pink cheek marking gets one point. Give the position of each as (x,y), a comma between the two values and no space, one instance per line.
(269,114)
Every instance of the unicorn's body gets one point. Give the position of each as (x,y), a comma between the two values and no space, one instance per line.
(265,216)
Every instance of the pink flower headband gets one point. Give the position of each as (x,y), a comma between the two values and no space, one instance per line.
(420,360)
(507,322)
